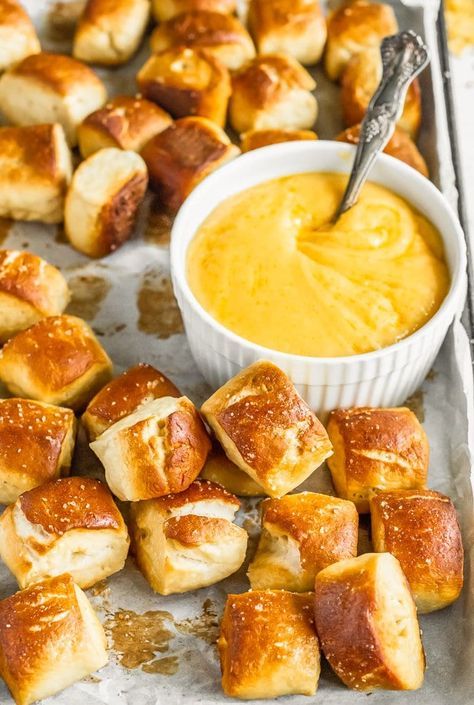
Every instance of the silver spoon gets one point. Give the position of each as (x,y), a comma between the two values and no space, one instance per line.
(404,56)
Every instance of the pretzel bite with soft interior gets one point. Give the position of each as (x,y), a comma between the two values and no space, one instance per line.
(50,638)
(353,27)
(124,122)
(268,645)
(367,624)
(35,170)
(266,428)
(188,540)
(302,534)
(254,139)
(166,9)
(30,289)
(159,448)
(221,470)
(71,525)
(187,81)
(421,529)
(18,37)
(293,27)
(272,92)
(376,449)
(222,35)
(48,88)
(36,445)
(103,199)
(400,146)
(181,156)
(359,81)
(57,360)
(109,33)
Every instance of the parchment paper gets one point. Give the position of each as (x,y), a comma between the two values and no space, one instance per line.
(162,649)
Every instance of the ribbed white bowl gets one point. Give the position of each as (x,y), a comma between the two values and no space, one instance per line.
(384,377)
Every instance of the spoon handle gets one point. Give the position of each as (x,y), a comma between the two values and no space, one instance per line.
(404,55)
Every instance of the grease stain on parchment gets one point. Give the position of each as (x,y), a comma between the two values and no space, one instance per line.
(87,294)
(157,307)
(158,224)
(415,404)
(60,237)
(62,18)
(204,626)
(138,638)
(5,227)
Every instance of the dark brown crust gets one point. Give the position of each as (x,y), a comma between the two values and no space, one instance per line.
(187,447)
(22,278)
(71,503)
(193,530)
(34,148)
(201,28)
(118,216)
(59,72)
(267,78)
(198,491)
(254,139)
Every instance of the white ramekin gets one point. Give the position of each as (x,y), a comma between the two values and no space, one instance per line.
(384,377)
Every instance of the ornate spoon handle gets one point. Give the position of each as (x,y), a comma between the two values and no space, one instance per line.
(404,55)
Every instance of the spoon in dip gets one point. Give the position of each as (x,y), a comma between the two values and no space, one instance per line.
(404,56)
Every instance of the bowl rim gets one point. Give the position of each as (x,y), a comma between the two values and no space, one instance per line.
(290,149)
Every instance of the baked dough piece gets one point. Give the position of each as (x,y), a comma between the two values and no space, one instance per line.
(181,156)
(421,529)
(272,92)
(400,146)
(268,645)
(71,525)
(159,448)
(293,27)
(50,637)
(267,429)
(374,449)
(359,82)
(123,395)
(354,27)
(166,9)
(103,199)
(58,360)
(367,625)
(46,88)
(223,35)
(220,469)
(302,534)
(254,139)
(187,81)
(18,37)
(110,32)
(187,540)
(35,169)
(36,445)
(125,122)
(30,289)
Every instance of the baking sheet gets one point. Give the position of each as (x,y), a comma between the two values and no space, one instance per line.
(162,649)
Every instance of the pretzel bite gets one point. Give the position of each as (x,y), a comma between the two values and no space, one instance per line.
(109,33)
(18,37)
(50,638)
(36,445)
(187,81)
(71,525)
(420,528)
(302,534)
(268,645)
(359,81)
(266,428)
(400,146)
(353,27)
(181,156)
(30,289)
(272,92)
(254,139)
(367,625)
(188,540)
(103,200)
(135,467)
(376,449)
(124,122)
(48,88)
(222,35)
(58,360)
(293,27)
(167,9)
(35,169)
(221,470)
